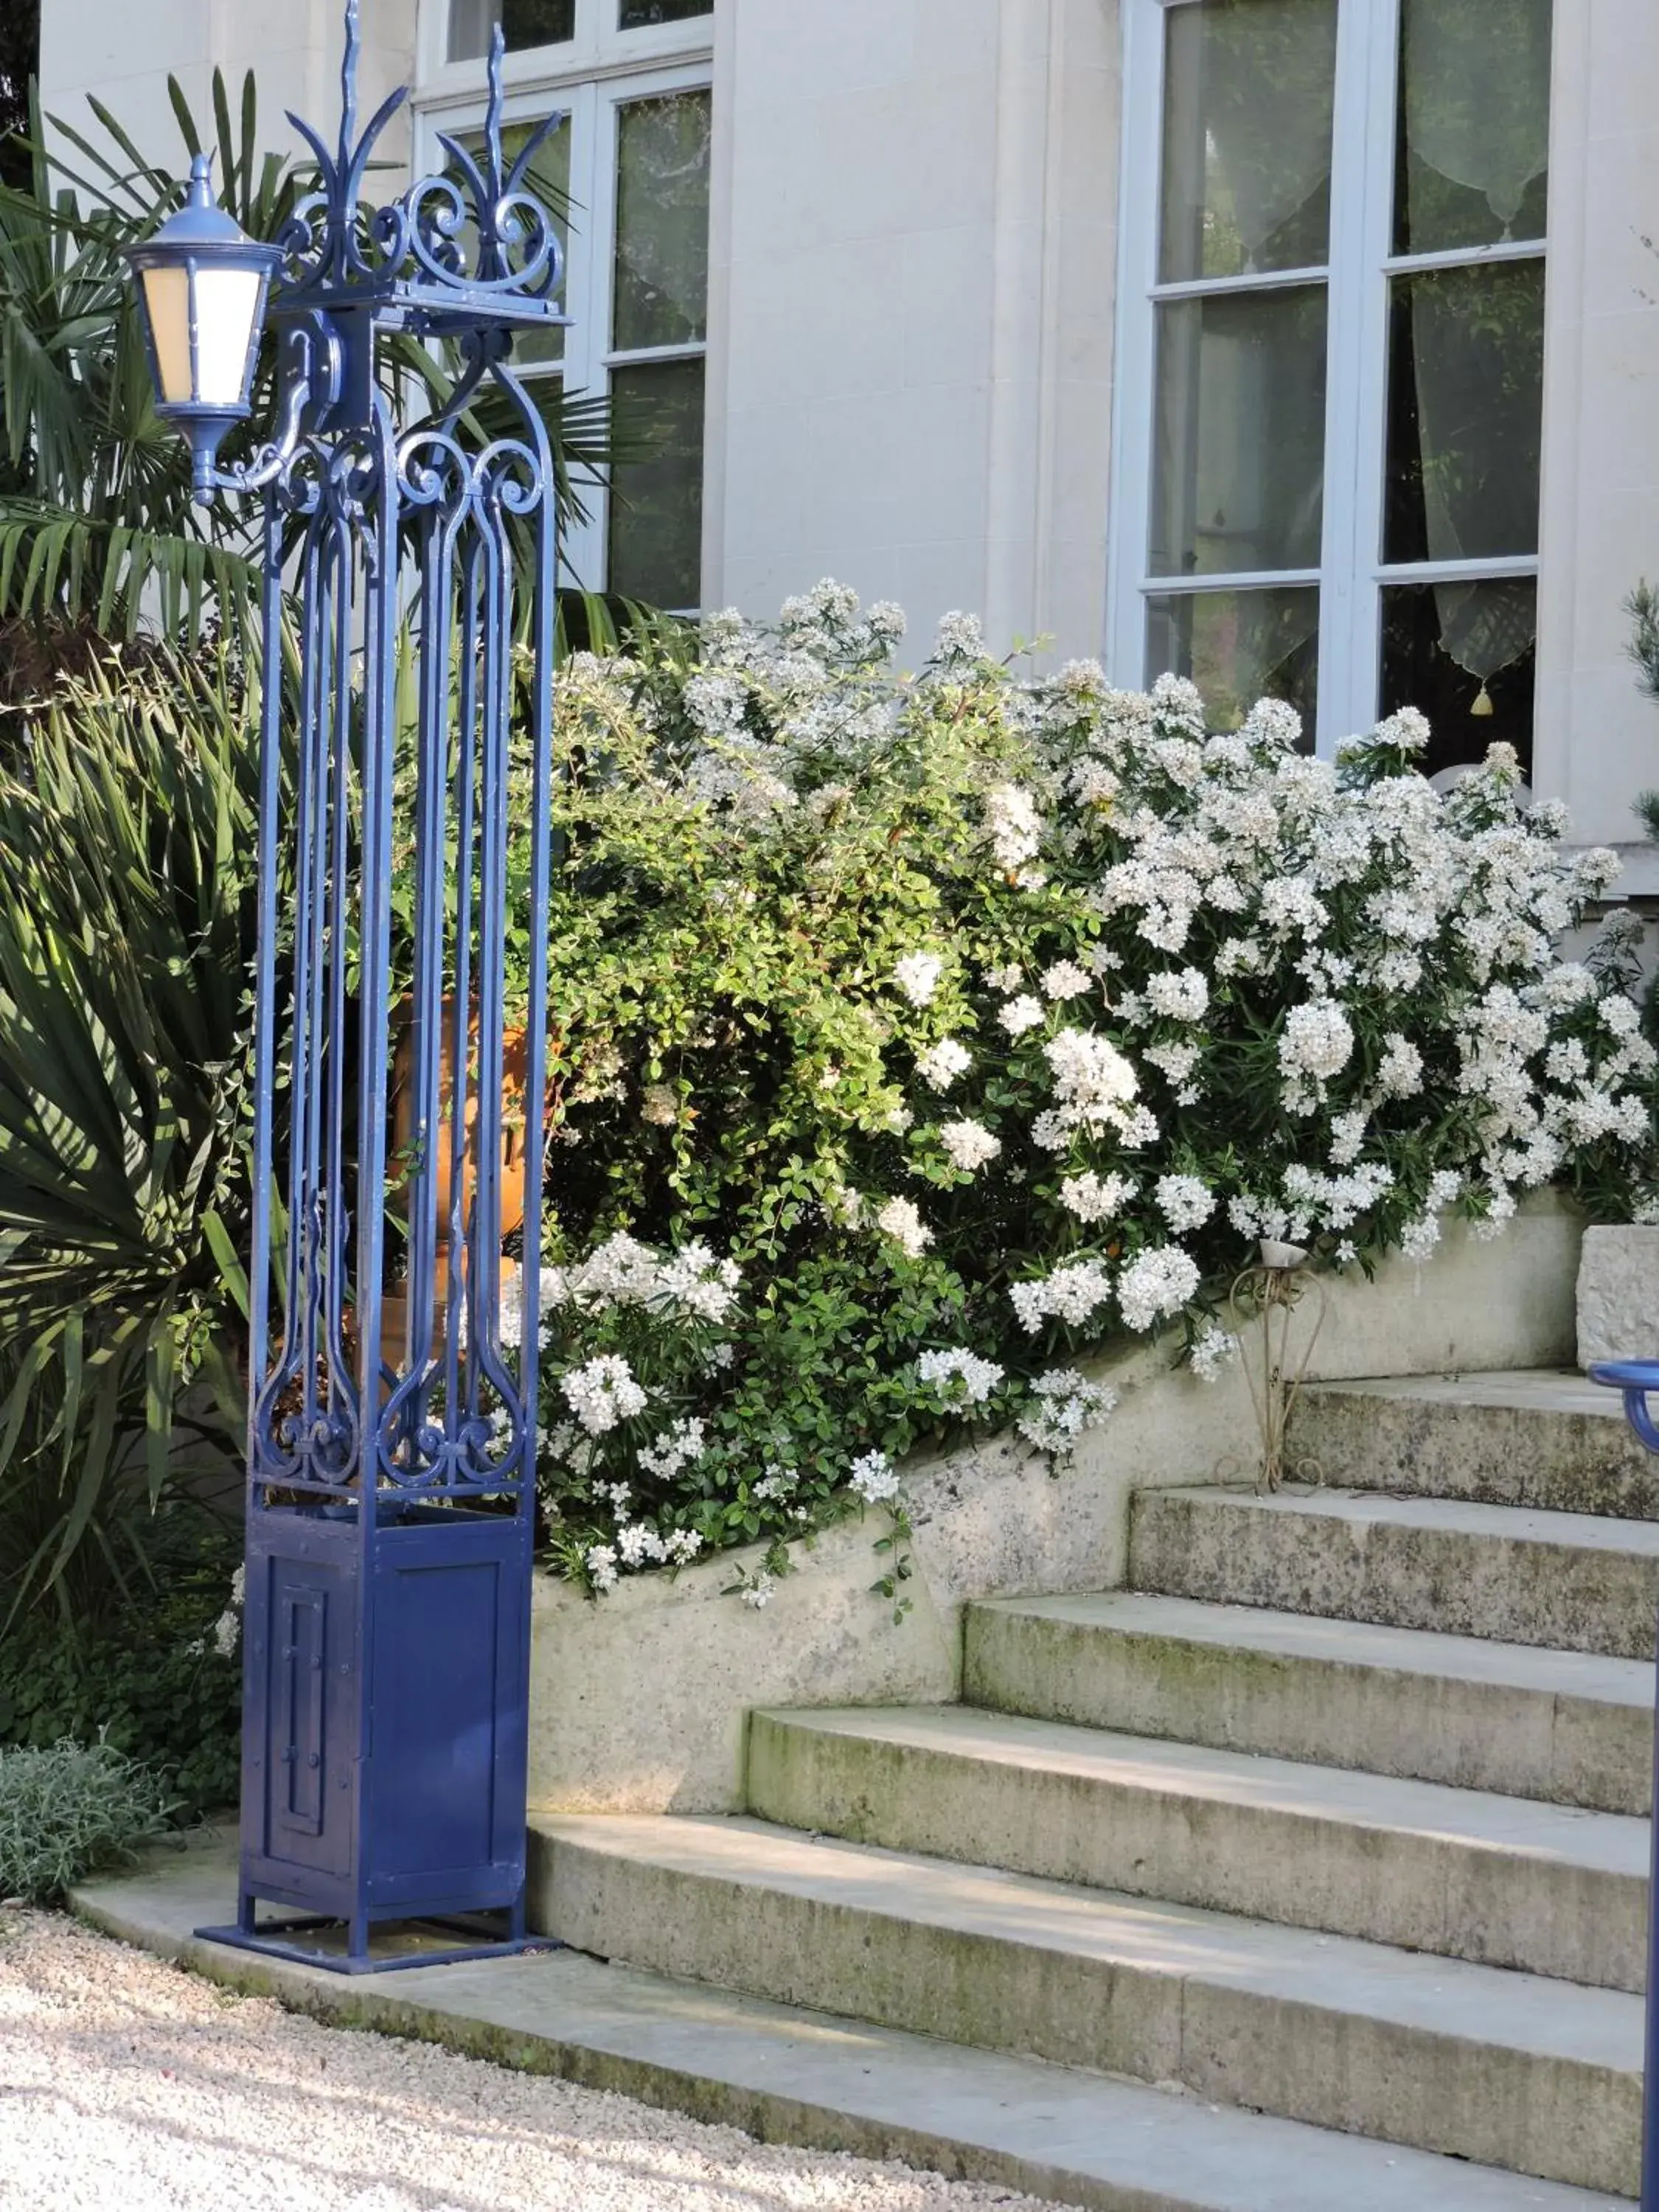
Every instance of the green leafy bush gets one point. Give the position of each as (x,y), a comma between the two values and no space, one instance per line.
(160,1682)
(913,1036)
(70,1810)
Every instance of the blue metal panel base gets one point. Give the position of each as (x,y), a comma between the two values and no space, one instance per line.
(276,1940)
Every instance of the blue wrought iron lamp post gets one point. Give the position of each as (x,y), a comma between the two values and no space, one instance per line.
(392,1439)
(1635,1378)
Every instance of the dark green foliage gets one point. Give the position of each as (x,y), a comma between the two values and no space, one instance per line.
(150,1679)
(20,55)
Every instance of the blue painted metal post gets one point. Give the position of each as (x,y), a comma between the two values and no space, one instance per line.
(393,1423)
(1636,1378)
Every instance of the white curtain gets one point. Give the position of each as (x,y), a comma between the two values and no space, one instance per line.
(1269,69)
(1477,80)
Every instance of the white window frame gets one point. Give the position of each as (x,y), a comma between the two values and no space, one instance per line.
(589,77)
(1352,574)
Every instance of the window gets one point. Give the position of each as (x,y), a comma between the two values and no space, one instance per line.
(631,165)
(1330,393)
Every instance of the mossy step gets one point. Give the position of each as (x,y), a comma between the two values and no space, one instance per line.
(1504,1881)
(1567,1726)
(1498,2067)
(1539,1438)
(1568,1582)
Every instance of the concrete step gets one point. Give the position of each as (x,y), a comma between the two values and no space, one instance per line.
(1573,1582)
(791,2075)
(1502,2069)
(1535,1437)
(1503,1881)
(1565,1726)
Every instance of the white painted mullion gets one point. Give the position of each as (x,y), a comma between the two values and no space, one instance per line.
(1249,279)
(1495,565)
(1223,579)
(1465,257)
(1134,428)
(1362,123)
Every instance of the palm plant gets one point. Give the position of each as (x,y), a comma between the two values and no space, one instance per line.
(125,951)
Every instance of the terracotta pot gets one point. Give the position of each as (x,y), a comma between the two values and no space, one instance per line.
(514,1162)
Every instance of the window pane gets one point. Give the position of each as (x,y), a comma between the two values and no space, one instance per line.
(1466,383)
(1247,137)
(548,179)
(656,501)
(662,221)
(524,23)
(1239,647)
(635,15)
(1239,473)
(1473,166)
(1456,650)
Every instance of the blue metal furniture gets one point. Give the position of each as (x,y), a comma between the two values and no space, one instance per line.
(1636,1378)
(392,1424)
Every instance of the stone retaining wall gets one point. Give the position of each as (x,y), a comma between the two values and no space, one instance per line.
(639,1700)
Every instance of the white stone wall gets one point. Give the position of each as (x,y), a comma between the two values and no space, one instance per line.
(124,51)
(913,306)
(1598,739)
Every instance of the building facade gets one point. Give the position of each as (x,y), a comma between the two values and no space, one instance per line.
(1307,346)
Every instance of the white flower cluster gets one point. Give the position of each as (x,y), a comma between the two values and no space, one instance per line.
(1064,979)
(602,1394)
(970,1144)
(640,1545)
(874,1479)
(1095,1198)
(674,1448)
(1094,1083)
(959,1375)
(1062,1406)
(1016,833)
(940,1065)
(1156,1285)
(691,1283)
(1213,1349)
(917,977)
(1317,1043)
(1073,1293)
(1185,1201)
(897,1217)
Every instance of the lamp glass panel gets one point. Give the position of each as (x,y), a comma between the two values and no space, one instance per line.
(167,298)
(227,302)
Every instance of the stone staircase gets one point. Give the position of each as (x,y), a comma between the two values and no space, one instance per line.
(1327,1837)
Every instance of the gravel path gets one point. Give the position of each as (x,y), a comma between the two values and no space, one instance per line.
(127,2086)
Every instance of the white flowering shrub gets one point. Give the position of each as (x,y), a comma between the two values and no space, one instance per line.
(913,1034)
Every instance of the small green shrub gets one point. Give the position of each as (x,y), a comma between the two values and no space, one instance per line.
(154,1683)
(70,1809)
